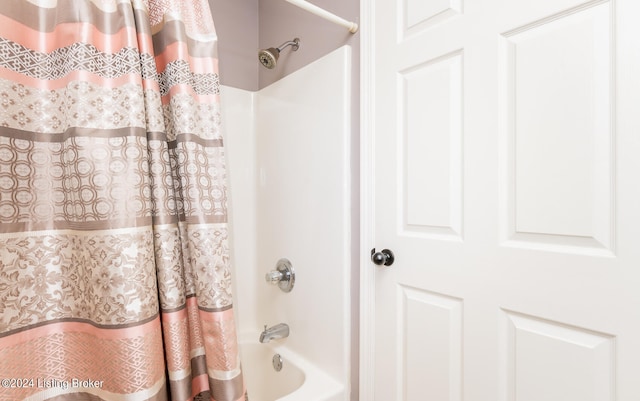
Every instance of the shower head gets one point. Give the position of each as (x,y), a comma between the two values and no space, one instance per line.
(269,57)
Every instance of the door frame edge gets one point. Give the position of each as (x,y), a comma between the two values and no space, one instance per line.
(367,202)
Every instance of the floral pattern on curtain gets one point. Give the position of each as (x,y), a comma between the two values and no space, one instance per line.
(114,263)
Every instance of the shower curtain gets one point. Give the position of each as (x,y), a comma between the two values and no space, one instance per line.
(114,264)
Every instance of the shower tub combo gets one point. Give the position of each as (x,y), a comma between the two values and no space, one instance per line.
(289,151)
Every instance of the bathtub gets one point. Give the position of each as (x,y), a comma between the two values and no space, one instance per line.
(299,379)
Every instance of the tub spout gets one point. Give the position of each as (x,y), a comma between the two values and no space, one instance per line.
(273,333)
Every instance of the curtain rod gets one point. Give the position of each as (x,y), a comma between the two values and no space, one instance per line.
(320,12)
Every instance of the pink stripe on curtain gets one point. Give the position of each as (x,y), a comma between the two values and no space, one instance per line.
(127,360)
(117,333)
(114,259)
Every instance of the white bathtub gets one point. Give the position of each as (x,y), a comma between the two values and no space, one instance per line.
(299,379)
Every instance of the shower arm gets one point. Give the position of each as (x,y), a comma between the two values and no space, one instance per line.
(320,12)
(295,45)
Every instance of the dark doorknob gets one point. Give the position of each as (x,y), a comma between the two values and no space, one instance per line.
(384,257)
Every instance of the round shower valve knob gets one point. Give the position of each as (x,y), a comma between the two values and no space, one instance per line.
(283,276)
(384,257)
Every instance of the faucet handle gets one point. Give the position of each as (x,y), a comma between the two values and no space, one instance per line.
(283,276)
(273,277)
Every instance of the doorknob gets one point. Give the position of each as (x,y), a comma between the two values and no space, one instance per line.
(385,257)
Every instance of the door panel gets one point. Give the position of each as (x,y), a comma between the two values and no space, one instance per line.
(430,345)
(430,108)
(539,353)
(419,15)
(506,163)
(557,80)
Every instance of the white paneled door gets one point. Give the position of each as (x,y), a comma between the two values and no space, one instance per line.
(505,140)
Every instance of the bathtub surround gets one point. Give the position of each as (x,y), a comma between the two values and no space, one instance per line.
(245,27)
(114,273)
(293,199)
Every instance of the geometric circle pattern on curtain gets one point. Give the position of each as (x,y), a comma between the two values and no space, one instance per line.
(114,263)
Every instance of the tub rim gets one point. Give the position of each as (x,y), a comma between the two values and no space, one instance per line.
(317,385)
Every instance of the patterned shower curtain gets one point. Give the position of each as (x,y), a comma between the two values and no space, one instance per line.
(114,264)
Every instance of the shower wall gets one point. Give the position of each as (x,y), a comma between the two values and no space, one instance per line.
(291,192)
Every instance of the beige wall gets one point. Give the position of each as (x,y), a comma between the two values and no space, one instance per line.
(246,26)
(237,24)
(281,21)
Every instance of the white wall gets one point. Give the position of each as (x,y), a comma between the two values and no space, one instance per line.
(290,178)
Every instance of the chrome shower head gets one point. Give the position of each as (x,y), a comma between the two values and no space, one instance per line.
(269,57)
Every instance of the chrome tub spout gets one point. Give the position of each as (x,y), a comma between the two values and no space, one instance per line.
(273,333)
